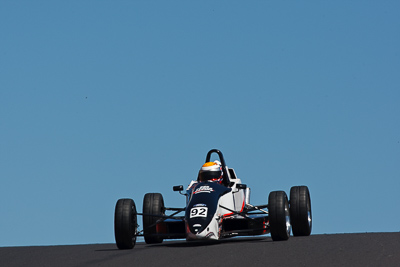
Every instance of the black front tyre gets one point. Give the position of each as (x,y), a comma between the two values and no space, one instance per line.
(279,216)
(153,204)
(300,210)
(125,224)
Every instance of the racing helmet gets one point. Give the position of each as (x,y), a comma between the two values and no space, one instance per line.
(210,171)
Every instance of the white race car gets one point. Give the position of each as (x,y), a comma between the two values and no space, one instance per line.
(214,211)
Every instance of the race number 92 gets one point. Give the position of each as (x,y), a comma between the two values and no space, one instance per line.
(198,212)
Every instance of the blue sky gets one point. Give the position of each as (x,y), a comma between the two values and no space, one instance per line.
(101,100)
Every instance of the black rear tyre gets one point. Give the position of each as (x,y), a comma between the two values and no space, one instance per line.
(153,203)
(125,224)
(300,210)
(279,216)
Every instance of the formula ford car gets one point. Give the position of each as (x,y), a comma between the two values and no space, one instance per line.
(214,211)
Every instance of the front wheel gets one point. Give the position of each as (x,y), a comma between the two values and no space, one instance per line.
(125,224)
(279,216)
(300,210)
(153,210)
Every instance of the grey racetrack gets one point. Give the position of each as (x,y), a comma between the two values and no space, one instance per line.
(364,249)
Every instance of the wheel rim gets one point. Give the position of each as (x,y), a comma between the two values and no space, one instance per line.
(287,217)
(133,222)
(309,217)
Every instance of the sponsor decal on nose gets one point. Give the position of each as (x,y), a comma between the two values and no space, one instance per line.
(203,189)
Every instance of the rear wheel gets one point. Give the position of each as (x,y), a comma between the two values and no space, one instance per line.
(300,210)
(125,224)
(153,204)
(279,216)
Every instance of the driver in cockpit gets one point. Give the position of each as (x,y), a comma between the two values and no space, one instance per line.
(211,171)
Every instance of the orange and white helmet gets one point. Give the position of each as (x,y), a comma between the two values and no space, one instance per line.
(210,171)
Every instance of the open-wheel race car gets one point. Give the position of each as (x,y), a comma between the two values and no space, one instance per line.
(217,206)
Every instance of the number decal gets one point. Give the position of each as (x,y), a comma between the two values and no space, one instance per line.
(194,212)
(198,212)
(203,212)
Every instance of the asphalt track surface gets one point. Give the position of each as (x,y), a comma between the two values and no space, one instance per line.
(370,249)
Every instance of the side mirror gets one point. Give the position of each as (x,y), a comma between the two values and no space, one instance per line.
(241,186)
(178,188)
